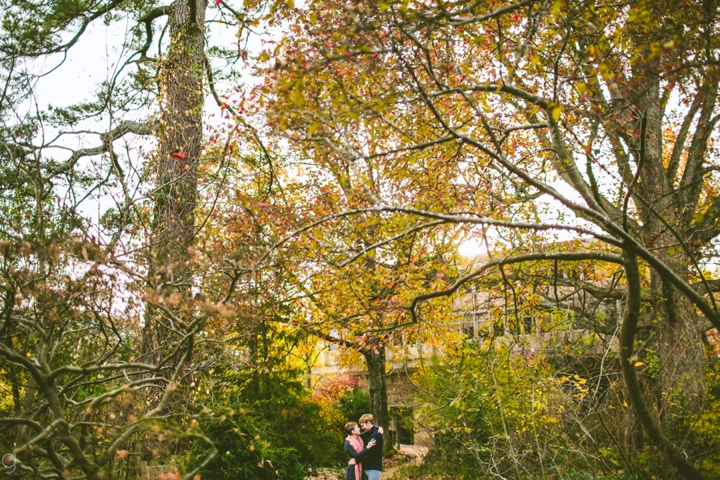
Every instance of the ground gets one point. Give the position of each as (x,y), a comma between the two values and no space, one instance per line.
(408,454)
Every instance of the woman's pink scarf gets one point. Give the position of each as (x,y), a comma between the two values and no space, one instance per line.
(357,443)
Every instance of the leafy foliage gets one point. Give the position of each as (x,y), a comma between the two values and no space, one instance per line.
(262,420)
(354,404)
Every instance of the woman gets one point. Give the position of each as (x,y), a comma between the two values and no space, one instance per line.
(354,447)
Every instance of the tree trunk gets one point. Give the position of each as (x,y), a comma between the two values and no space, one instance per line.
(631,315)
(173,227)
(676,329)
(375,358)
(679,383)
(175,194)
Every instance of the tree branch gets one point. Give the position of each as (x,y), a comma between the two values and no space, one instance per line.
(572,256)
(108,138)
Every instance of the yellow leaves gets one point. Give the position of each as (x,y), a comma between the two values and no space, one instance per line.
(554,110)
(312,128)
(557,7)
(296,94)
(535,59)
(580,87)
(264,56)
(606,70)
(639,364)
(639,15)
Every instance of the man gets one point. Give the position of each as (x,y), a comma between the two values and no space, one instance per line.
(372,463)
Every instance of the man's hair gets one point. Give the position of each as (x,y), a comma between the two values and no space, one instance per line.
(350,426)
(366,418)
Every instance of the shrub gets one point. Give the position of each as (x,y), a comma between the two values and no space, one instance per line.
(354,404)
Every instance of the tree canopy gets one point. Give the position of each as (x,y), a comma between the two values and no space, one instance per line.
(591,119)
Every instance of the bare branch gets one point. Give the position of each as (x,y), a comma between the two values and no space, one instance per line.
(125,127)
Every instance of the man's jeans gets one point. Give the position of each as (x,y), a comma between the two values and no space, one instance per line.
(373,474)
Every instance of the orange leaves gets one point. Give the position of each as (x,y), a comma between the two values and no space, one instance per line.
(151,296)
(223,309)
(175,300)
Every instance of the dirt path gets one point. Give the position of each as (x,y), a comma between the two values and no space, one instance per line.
(414,453)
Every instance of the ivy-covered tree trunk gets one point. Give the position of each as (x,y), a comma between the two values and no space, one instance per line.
(176,164)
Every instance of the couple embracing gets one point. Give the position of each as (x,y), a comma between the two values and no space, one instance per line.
(365,449)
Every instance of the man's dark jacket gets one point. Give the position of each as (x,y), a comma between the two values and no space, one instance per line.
(372,459)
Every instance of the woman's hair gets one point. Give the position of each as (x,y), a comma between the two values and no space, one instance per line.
(350,426)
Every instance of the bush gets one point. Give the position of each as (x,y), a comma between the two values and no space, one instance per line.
(496,412)
(354,404)
(265,425)
(246,451)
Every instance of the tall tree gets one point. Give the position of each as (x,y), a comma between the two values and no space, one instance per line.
(176,164)
(76,286)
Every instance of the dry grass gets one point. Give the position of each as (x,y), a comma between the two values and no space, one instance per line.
(327,474)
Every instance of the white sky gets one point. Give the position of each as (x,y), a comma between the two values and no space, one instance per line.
(77,76)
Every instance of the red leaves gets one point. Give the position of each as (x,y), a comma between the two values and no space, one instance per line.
(180,156)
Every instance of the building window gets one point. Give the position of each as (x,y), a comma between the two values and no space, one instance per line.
(468,330)
(528,325)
